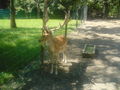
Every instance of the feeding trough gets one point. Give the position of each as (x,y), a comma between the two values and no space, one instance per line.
(88,51)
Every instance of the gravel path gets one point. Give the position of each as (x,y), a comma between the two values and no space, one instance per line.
(104,70)
(99,73)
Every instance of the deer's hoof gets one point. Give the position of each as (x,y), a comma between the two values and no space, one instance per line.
(51,72)
(56,73)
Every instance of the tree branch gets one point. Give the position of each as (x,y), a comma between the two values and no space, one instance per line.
(66,20)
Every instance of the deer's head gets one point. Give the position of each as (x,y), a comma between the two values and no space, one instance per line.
(47,34)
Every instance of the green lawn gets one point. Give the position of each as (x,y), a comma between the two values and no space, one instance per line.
(20,46)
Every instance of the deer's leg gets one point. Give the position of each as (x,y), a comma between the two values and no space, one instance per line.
(56,69)
(51,71)
(64,58)
(56,64)
(51,62)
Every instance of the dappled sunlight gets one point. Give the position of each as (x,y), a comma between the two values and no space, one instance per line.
(22,43)
(101,86)
(98,62)
(107,52)
(113,59)
(33,23)
(101,70)
(104,68)
(113,36)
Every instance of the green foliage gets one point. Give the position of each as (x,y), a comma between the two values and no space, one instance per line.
(109,8)
(25,5)
(4,77)
(20,46)
(69,4)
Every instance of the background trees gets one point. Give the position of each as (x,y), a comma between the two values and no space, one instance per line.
(26,6)
(104,8)
(39,5)
(57,8)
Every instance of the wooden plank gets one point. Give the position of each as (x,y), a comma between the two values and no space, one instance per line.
(89,51)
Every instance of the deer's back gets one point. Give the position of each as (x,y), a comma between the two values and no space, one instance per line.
(59,43)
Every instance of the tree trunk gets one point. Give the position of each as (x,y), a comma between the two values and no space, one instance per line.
(45,15)
(118,13)
(67,15)
(85,8)
(106,10)
(66,29)
(76,18)
(45,20)
(26,13)
(38,10)
(12,14)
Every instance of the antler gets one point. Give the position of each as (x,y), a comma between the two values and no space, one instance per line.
(66,20)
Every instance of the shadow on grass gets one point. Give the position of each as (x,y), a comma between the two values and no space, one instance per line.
(18,47)
(13,58)
(41,79)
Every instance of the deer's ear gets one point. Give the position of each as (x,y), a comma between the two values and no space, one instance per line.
(45,32)
(52,32)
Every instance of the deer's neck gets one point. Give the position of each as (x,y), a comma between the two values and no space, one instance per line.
(50,40)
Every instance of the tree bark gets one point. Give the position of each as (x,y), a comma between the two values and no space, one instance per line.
(66,29)
(67,16)
(12,14)
(106,9)
(77,18)
(45,15)
(118,13)
(38,10)
(45,20)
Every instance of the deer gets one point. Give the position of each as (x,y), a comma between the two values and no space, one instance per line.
(56,45)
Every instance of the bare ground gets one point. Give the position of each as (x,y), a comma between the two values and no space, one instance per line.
(99,73)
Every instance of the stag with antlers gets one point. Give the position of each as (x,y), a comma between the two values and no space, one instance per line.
(56,45)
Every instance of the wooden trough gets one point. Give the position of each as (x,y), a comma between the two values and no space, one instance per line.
(89,51)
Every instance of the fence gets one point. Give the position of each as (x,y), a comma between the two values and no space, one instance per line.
(4,13)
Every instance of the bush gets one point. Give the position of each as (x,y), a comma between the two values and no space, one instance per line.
(4,77)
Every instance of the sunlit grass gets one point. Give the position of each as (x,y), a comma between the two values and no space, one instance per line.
(20,46)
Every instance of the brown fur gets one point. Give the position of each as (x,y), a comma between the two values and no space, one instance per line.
(56,45)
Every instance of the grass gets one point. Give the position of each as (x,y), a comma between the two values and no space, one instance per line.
(89,49)
(20,46)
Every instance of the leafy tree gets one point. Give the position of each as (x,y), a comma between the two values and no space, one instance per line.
(39,7)
(45,20)
(67,6)
(115,8)
(106,5)
(118,15)
(26,6)
(104,8)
